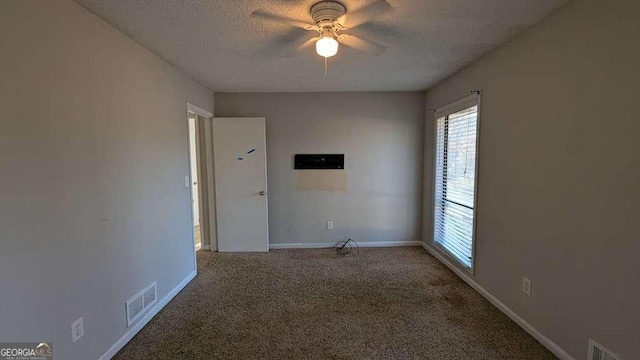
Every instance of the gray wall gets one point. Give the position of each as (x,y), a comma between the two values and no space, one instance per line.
(381,135)
(93,154)
(559,168)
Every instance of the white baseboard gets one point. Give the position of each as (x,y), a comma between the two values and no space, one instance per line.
(553,347)
(145,319)
(206,247)
(333,244)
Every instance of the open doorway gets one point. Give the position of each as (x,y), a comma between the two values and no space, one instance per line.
(201,180)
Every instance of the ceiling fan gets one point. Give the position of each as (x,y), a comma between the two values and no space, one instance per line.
(331,20)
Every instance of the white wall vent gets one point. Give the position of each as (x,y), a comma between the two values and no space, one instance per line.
(150,295)
(135,308)
(599,352)
(141,302)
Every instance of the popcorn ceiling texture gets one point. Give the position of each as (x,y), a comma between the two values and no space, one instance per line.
(393,303)
(219,44)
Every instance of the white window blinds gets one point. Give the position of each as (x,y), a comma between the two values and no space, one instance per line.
(455,173)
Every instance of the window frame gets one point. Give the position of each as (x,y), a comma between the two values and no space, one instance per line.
(446,110)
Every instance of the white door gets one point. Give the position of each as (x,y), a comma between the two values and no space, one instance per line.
(193,157)
(240,165)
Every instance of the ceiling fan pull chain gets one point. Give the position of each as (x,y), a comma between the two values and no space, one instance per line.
(325,66)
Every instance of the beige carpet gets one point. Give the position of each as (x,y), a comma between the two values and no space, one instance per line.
(197,236)
(385,303)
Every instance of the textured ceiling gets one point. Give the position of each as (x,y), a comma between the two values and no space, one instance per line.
(219,44)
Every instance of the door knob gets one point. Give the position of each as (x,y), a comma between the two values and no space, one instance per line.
(263,193)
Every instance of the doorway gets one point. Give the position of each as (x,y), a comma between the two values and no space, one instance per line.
(200,179)
(193,173)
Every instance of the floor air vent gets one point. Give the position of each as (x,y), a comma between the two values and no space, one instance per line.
(140,302)
(599,352)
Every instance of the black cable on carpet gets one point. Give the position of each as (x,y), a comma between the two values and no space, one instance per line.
(346,247)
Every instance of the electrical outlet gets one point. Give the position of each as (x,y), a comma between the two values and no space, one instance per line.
(187,181)
(77,330)
(330,225)
(526,286)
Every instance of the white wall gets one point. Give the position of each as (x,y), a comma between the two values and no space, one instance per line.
(93,154)
(381,135)
(559,169)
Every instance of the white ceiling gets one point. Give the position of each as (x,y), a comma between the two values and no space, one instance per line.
(219,44)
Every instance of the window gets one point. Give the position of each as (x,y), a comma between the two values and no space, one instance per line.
(455,175)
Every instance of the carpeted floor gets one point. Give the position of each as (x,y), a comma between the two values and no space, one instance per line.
(385,303)
(197,236)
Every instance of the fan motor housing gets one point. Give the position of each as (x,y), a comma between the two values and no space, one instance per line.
(326,12)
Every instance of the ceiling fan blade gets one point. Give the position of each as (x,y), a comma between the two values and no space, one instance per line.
(298,50)
(364,14)
(259,14)
(282,45)
(361,44)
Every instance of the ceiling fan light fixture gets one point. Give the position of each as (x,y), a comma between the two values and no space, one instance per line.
(327,46)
